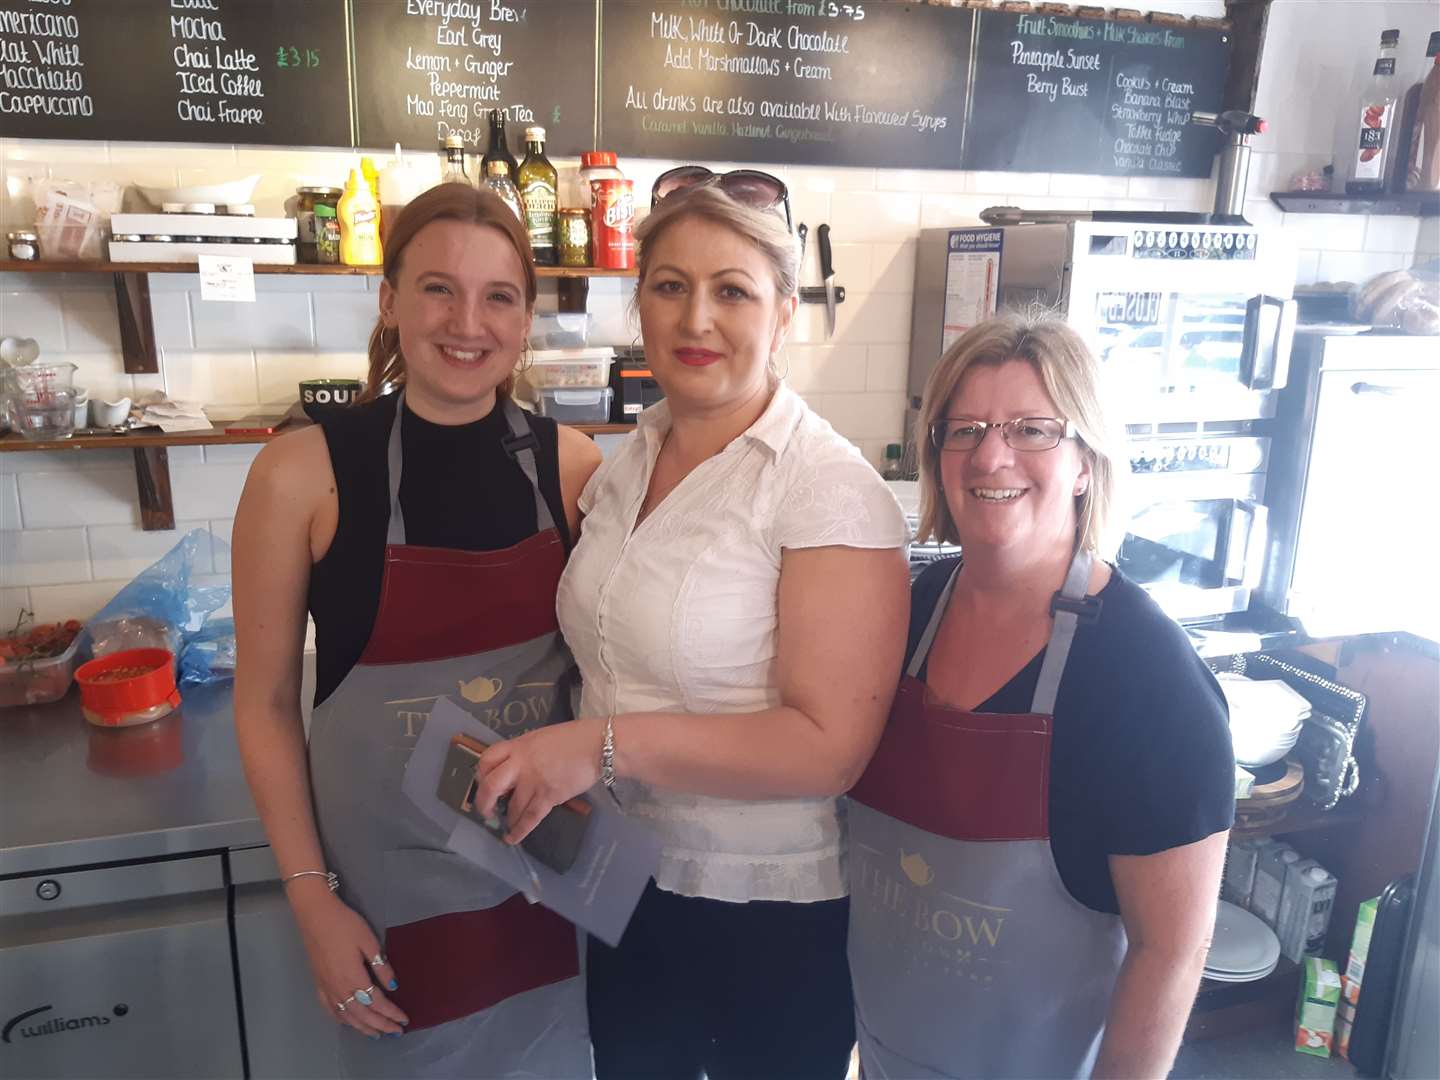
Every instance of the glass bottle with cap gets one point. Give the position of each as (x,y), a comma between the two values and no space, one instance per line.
(539,188)
(454,169)
(498,149)
(497,179)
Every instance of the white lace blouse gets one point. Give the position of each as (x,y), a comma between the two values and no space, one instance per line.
(680,614)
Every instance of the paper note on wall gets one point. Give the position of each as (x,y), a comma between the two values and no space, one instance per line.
(227,278)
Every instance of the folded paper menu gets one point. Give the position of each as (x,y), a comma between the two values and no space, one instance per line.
(617,857)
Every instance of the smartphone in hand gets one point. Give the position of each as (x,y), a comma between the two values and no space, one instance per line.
(555,840)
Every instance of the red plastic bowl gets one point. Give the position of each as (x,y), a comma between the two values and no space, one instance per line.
(116,703)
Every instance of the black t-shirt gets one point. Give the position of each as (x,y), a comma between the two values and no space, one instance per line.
(459,490)
(1140,756)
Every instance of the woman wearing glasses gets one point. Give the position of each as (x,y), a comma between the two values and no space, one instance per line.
(736,606)
(1036,846)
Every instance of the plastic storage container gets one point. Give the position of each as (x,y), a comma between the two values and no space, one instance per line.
(560,330)
(570,368)
(34,682)
(591,406)
(133,686)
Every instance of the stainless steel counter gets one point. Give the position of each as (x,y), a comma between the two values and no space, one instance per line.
(73,794)
(140,908)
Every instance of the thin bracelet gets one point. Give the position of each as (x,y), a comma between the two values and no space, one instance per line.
(607,759)
(331,879)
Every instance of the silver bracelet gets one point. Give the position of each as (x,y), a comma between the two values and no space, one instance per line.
(607,759)
(331,879)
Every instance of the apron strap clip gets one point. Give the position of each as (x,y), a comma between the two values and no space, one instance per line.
(514,445)
(1086,610)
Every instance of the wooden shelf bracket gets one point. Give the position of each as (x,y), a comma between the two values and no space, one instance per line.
(137,328)
(152,476)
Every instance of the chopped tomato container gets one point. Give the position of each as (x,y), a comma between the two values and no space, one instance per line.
(30,681)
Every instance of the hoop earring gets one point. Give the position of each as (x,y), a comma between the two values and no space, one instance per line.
(527,358)
(390,340)
(774,368)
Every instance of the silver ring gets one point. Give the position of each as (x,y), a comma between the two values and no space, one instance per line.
(363,996)
(340,1005)
(378,960)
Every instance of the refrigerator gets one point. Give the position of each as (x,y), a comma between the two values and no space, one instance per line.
(1352,507)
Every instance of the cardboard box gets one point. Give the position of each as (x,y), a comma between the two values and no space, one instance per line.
(1315,1013)
(1360,949)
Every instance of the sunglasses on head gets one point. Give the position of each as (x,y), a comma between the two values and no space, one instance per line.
(749,187)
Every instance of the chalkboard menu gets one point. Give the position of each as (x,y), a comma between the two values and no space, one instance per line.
(426,68)
(820,83)
(863,82)
(220,71)
(1059,94)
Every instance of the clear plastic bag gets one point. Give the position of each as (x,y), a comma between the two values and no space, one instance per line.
(161,607)
(72,218)
(1408,300)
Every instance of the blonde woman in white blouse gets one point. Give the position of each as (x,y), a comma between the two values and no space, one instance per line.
(737,605)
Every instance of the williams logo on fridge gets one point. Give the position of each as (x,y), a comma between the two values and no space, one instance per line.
(28,1025)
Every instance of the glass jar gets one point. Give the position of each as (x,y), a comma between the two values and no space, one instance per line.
(597,165)
(574,229)
(24,246)
(311,197)
(327,234)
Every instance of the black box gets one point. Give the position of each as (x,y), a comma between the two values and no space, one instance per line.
(635,387)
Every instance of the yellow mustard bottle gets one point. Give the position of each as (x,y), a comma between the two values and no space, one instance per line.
(359,224)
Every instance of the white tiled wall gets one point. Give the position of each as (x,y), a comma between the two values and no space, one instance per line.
(69,526)
(1313,50)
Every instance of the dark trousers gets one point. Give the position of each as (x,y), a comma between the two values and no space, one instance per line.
(736,991)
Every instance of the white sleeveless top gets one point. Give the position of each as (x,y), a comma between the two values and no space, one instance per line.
(680,615)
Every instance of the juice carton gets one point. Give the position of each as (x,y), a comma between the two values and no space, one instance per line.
(1305,909)
(1315,1014)
(1344,1025)
(1240,861)
(1270,881)
(1360,949)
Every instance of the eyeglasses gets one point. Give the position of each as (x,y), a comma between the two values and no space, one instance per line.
(1029,433)
(749,187)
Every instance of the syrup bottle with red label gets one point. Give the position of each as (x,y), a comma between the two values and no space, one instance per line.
(1367,130)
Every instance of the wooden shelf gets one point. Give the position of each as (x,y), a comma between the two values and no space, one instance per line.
(16,266)
(1300,817)
(216,436)
(152,465)
(142,357)
(1404,203)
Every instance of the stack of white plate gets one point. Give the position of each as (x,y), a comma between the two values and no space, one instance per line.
(1244,948)
(1266,716)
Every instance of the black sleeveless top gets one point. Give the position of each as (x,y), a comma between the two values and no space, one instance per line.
(459,490)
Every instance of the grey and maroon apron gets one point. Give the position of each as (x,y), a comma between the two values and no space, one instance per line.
(491,982)
(969,957)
